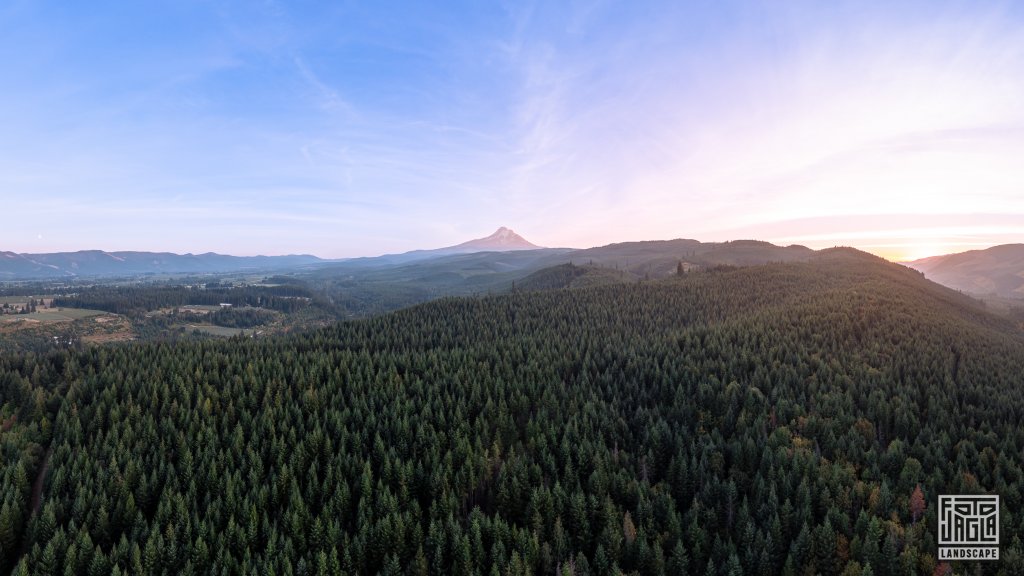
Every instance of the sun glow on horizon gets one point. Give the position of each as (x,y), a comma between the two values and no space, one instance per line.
(910,252)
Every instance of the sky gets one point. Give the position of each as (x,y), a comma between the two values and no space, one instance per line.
(360,128)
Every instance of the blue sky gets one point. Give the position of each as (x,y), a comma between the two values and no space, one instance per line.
(345,129)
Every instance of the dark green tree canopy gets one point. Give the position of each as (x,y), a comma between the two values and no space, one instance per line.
(789,418)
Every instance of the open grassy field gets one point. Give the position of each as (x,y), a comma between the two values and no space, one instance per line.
(23,299)
(13,299)
(218,330)
(53,315)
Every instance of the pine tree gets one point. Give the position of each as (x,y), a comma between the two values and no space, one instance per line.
(679,561)
(917,504)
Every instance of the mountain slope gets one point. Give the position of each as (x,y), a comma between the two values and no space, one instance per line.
(759,419)
(503,239)
(372,285)
(656,258)
(998,270)
(99,263)
(565,276)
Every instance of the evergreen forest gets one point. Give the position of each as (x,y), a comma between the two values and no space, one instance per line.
(791,418)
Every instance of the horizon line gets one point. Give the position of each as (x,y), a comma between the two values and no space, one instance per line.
(864,248)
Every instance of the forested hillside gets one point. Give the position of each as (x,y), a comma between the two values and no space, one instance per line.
(792,418)
(998,270)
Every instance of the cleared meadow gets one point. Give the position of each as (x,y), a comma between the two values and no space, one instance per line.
(53,315)
(218,330)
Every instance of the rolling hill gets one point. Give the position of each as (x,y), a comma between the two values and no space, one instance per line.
(790,418)
(998,270)
(492,262)
(98,263)
(372,285)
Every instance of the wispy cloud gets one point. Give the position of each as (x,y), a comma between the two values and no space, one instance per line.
(577,123)
(327,98)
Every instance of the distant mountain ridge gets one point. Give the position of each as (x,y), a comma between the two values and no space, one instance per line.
(99,263)
(374,285)
(504,253)
(998,270)
(89,263)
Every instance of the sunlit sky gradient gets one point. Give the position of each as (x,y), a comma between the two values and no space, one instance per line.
(344,128)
